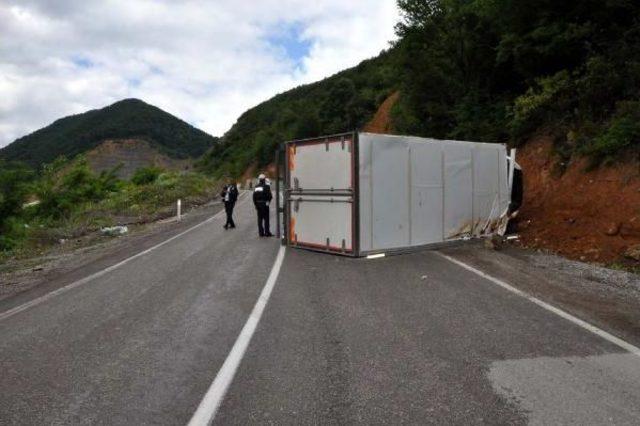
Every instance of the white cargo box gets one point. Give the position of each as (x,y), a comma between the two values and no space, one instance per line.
(361,193)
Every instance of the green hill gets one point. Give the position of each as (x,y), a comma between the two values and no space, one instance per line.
(129,118)
(340,103)
(485,70)
(501,70)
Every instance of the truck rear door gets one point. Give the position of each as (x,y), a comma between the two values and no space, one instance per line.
(320,194)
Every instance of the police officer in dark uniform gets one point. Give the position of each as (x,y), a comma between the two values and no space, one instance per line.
(229,195)
(261,198)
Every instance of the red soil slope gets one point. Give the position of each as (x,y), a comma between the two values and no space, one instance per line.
(593,216)
(252,173)
(381,121)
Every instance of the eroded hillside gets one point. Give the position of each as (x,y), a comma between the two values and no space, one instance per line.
(587,215)
(129,155)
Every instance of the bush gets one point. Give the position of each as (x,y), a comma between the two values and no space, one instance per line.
(622,132)
(144,201)
(15,180)
(64,187)
(547,102)
(74,201)
(14,230)
(146,175)
(14,186)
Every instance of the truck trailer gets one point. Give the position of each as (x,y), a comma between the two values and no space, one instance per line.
(359,194)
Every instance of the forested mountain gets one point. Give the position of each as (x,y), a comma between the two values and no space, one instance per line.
(126,119)
(485,70)
(498,70)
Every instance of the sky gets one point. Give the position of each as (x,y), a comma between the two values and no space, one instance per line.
(204,61)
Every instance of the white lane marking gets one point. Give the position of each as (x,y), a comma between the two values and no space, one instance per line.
(376,256)
(589,327)
(209,405)
(62,290)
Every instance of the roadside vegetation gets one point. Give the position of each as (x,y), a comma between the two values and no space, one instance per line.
(67,200)
(501,70)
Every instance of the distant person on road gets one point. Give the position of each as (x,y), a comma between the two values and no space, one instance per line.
(229,196)
(261,198)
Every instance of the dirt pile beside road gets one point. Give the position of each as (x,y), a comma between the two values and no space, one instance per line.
(584,215)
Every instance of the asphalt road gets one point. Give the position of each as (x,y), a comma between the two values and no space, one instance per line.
(406,339)
(142,343)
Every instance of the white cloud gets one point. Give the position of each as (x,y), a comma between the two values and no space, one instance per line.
(204,61)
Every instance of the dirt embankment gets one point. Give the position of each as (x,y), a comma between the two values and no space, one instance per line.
(132,154)
(252,173)
(584,215)
(381,121)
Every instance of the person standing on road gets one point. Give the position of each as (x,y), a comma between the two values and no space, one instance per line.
(229,195)
(261,199)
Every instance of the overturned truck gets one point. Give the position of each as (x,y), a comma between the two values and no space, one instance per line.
(359,194)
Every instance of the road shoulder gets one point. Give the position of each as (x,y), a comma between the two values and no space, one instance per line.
(606,298)
(29,279)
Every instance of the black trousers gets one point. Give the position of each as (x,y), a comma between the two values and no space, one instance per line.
(263,219)
(228,208)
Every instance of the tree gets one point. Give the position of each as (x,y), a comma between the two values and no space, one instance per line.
(14,188)
(333,113)
(308,124)
(474,69)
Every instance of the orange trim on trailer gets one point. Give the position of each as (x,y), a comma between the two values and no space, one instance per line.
(291,152)
(292,229)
